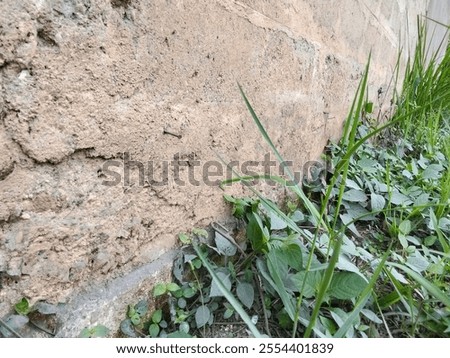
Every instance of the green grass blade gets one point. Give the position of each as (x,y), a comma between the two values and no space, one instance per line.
(308,204)
(324,286)
(431,288)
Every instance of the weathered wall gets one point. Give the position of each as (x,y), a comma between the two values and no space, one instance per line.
(83,81)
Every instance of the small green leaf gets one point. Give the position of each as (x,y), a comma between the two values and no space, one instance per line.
(182,303)
(185,239)
(276,222)
(153,330)
(245,293)
(228,313)
(405,227)
(157,316)
(184,327)
(200,232)
(172,287)
(371,316)
(159,290)
(368,107)
(189,292)
(135,319)
(141,308)
(126,327)
(85,333)
(202,316)
(297,216)
(98,331)
(22,307)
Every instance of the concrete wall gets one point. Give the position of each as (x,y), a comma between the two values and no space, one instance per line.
(85,81)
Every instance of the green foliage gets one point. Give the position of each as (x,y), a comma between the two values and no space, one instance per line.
(98,331)
(22,307)
(362,250)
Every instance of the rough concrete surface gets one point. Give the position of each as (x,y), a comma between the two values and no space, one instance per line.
(86,81)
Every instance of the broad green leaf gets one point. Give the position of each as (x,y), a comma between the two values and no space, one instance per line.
(255,233)
(417,262)
(245,293)
(159,289)
(311,285)
(276,223)
(185,239)
(363,298)
(141,307)
(340,316)
(153,330)
(405,227)
(432,171)
(297,216)
(349,183)
(184,327)
(398,198)
(182,303)
(346,285)
(276,268)
(172,287)
(292,253)
(354,195)
(189,292)
(224,246)
(326,280)
(22,307)
(422,199)
(202,316)
(157,316)
(368,165)
(347,221)
(377,202)
(371,316)
(126,327)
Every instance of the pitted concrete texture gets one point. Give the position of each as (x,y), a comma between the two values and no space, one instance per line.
(87,81)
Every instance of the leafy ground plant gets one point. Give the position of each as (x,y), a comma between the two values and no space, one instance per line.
(362,252)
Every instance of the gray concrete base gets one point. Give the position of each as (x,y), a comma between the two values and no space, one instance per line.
(106,303)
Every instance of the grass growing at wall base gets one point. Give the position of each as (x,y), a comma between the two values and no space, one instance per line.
(362,252)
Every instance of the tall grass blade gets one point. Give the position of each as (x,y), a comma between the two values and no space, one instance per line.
(431,288)
(324,286)
(308,204)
